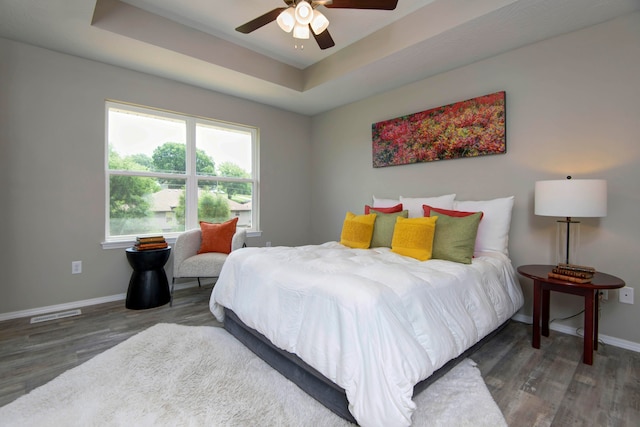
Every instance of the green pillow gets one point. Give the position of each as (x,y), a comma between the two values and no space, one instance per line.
(455,237)
(383,227)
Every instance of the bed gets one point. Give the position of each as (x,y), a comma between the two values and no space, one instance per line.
(362,330)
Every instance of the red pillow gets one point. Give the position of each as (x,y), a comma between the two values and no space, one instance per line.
(217,237)
(427,212)
(392,209)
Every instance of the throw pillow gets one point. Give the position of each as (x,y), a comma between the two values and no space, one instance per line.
(428,209)
(383,227)
(455,237)
(413,237)
(493,231)
(414,204)
(217,237)
(384,203)
(357,230)
(391,209)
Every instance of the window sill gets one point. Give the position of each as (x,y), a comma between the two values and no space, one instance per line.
(123,244)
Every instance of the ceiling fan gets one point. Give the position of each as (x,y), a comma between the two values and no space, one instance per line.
(301,17)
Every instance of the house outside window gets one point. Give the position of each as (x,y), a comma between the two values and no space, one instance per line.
(166,172)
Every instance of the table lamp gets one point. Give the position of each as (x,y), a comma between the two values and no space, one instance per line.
(570,198)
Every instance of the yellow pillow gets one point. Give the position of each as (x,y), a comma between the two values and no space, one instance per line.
(413,237)
(357,230)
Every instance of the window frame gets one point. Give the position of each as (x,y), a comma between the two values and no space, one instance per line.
(191,177)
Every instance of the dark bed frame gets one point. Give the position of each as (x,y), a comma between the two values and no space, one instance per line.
(309,379)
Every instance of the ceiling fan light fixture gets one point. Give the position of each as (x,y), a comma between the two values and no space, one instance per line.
(319,23)
(287,20)
(304,13)
(301,31)
(301,17)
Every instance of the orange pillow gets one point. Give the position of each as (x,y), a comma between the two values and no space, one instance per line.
(392,209)
(217,237)
(456,214)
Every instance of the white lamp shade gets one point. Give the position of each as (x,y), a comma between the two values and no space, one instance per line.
(319,23)
(571,198)
(301,31)
(304,13)
(286,20)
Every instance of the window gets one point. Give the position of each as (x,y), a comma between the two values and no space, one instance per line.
(166,172)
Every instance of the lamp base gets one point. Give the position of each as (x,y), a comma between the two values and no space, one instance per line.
(568,242)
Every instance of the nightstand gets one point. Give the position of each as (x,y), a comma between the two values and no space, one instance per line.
(542,287)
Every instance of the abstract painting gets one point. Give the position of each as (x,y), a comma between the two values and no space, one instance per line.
(471,128)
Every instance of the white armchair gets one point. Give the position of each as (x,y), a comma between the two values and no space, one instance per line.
(188,263)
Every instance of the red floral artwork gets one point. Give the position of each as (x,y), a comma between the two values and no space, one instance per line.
(465,129)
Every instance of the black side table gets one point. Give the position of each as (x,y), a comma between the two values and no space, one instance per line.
(148,286)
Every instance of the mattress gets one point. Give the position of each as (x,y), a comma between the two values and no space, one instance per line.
(373,322)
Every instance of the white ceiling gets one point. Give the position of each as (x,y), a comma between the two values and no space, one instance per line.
(194,41)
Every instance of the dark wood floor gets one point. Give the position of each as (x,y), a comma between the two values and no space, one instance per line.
(552,387)
(546,387)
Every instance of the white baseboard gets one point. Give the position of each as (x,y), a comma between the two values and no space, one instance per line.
(569,330)
(77,304)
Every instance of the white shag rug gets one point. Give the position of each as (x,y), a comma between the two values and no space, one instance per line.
(173,375)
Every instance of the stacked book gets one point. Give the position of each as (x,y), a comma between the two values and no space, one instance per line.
(153,242)
(573,273)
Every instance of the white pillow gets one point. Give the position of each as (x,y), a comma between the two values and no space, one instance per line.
(493,231)
(414,204)
(384,203)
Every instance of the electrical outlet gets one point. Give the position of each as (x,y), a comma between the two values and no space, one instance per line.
(604,295)
(76,267)
(268,244)
(626,295)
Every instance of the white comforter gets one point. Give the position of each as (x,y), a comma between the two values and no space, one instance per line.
(373,322)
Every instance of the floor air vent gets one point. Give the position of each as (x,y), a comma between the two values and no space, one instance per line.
(55,316)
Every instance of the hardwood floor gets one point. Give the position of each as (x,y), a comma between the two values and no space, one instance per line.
(546,387)
(31,355)
(552,387)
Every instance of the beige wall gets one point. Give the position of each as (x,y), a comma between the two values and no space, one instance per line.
(573,108)
(52,206)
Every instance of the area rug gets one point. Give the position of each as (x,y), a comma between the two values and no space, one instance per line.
(173,375)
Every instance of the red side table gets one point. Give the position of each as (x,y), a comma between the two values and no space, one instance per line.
(542,287)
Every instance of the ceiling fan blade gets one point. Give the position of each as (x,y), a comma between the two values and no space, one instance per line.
(260,21)
(363,4)
(324,39)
